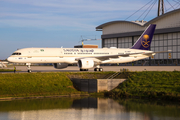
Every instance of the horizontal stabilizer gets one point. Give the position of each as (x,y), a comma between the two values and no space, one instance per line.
(163,51)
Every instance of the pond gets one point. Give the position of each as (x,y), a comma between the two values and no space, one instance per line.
(88,108)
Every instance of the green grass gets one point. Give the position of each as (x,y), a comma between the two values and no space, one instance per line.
(6,70)
(164,85)
(35,84)
(42,84)
(149,84)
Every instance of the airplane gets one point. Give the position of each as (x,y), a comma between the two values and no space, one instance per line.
(3,64)
(87,58)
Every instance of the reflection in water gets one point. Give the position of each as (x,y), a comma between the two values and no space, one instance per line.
(87,108)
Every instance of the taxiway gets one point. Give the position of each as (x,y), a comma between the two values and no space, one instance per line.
(105,68)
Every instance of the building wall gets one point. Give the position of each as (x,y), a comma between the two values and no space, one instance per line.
(86,46)
(168,21)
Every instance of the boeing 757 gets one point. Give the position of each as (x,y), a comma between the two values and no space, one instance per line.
(87,58)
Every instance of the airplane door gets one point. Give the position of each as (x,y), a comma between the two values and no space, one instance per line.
(61,53)
(29,54)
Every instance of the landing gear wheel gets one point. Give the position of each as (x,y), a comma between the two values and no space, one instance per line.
(100,69)
(83,69)
(29,71)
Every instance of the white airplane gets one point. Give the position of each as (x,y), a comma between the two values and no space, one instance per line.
(87,58)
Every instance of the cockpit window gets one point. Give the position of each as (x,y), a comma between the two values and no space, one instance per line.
(16,54)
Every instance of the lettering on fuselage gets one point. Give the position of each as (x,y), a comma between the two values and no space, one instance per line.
(127,51)
(78,50)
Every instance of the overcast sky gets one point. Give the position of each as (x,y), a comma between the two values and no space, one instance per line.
(57,23)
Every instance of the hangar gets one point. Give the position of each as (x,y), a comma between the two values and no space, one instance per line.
(123,34)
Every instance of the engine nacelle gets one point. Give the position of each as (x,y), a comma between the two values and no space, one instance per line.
(60,65)
(85,63)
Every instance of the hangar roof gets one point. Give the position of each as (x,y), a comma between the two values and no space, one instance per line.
(158,20)
(112,22)
(162,16)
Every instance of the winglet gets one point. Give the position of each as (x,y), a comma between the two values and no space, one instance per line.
(144,41)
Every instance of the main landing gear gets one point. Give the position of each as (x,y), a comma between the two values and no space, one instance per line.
(98,68)
(95,69)
(83,69)
(29,67)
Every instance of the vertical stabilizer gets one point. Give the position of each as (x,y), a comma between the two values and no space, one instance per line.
(145,39)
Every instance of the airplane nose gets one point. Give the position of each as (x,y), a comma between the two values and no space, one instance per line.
(9,59)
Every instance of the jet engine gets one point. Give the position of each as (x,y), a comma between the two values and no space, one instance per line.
(60,65)
(85,63)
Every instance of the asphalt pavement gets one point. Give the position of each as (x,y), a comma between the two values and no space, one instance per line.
(23,69)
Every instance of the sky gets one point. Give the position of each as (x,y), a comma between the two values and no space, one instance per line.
(60,23)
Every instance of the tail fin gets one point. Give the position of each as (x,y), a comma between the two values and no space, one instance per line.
(145,39)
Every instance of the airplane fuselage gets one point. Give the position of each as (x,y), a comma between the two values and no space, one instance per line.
(69,55)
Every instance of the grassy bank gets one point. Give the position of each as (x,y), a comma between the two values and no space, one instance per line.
(42,84)
(35,84)
(163,85)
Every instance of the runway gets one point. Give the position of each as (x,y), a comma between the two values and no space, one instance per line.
(105,68)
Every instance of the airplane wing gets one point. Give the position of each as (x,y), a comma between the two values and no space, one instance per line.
(102,58)
(107,57)
(128,54)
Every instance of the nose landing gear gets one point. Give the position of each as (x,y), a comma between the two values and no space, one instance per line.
(29,67)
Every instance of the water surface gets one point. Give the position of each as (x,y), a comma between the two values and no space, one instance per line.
(88,109)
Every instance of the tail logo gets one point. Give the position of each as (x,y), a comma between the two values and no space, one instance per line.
(145,42)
